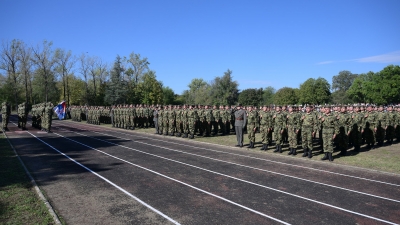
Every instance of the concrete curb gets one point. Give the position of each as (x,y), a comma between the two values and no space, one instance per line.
(33,182)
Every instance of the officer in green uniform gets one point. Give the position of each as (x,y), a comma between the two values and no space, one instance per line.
(344,130)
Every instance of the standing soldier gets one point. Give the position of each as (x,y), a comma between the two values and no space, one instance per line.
(279,128)
(208,118)
(329,131)
(132,116)
(214,123)
(226,120)
(240,123)
(165,120)
(220,119)
(155,119)
(369,127)
(191,120)
(184,121)
(160,121)
(380,125)
(178,121)
(5,115)
(356,127)
(171,121)
(308,128)
(264,127)
(292,121)
(390,124)
(252,124)
(344,131)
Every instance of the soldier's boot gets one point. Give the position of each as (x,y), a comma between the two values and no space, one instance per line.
(191,136)
(291,151)
(171,134)
(280,148)
(263,147)
(160,133)
(178,134)
(309,154)
(294,151)
(166,133)
(276,148)
(325,156)
(357,148)
(305,153)
(330,156)
(343,152)
(250,145)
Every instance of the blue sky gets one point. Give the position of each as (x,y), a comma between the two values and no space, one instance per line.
(265,43)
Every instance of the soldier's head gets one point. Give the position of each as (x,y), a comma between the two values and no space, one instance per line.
(308,108)
(343,109)
(278,108)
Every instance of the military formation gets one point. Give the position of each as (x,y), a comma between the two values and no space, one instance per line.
(42,115)
(338,127)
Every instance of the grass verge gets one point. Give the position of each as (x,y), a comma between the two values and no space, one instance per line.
(19,203)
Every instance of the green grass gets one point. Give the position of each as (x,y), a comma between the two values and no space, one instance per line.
(385,158)
(19,203)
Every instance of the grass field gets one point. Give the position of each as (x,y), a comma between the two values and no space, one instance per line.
(19,203)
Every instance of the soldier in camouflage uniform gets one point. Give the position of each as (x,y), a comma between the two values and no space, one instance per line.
(171,121)
(356,127)
(390,124)
(264,127)
(5,115)
(308,129)
(252,124)
(292,125)
(226,119)
(279,123)
(178,121)
(369,127)
(214,123)
(191,122)
(329,130)
(381,121)
(208,119)
(344,130)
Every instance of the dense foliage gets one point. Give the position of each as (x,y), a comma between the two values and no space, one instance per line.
(41,73)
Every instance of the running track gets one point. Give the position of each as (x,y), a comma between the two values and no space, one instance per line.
(96,175)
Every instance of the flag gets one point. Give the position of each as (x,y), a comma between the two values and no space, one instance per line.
(60,110)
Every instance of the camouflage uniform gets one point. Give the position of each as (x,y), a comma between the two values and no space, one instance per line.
(293,122)
(252,124)
(308,128)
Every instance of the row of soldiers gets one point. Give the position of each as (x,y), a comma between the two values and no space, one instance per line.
(353,124)
(42,115)
(346,125)
(5,115)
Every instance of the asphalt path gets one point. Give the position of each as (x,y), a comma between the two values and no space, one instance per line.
(93,174)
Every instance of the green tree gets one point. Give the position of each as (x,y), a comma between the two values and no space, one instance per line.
(116,86)
(268,95)
(151,89)
(314,91)
(9,62)
(286,96)
(224,90)
(340,84)
(251,96)
(43,58)
(169,96)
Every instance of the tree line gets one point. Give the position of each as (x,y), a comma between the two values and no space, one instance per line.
(42,73)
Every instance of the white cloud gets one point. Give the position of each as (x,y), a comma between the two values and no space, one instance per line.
(325,62)
(385,58)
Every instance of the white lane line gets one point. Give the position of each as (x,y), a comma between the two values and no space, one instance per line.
(108,181)
(250,167)
(157,173)
(221,174)
(252,157)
